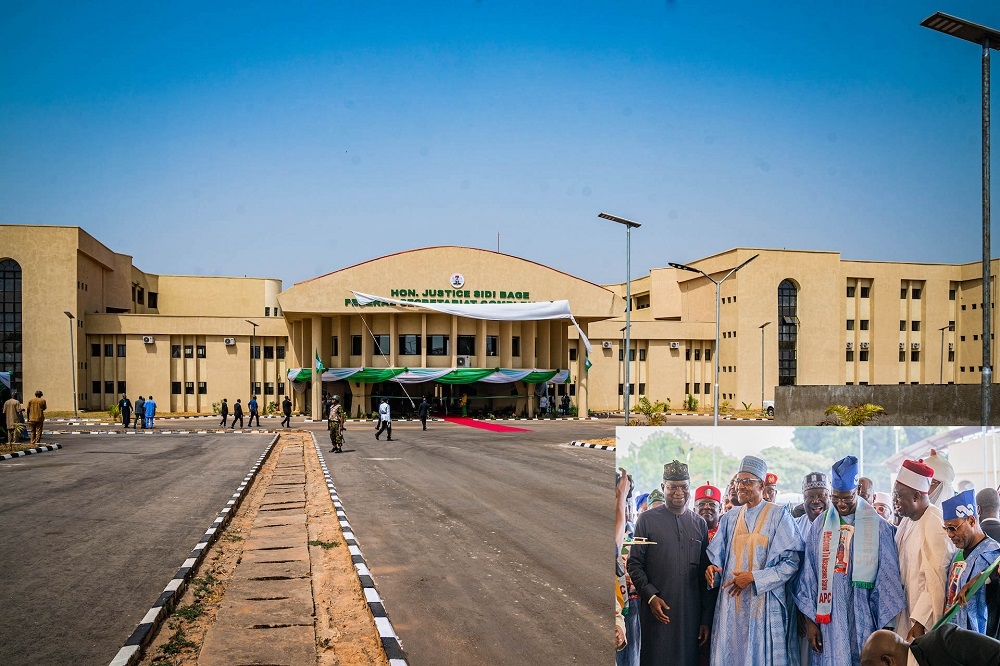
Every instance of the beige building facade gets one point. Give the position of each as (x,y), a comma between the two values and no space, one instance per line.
(788,317)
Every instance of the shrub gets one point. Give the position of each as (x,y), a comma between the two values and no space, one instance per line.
(653,411)
(216,408)
(691,403)
(114,411)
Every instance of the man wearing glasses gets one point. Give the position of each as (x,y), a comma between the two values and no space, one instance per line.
(755,553)
(676,607)
(850,585)
(924,550)
(976,552)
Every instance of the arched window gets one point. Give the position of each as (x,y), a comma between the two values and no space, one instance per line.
(788,326)
(10,322)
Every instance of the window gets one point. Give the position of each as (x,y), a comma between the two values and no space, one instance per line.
(515,346)
(109,350)
(268,388)
(850,291)
(951,325)
(267,311)
(335,348)
(864,324)
(951,294)
(951,356)
(697,354)
(121,387)
(631,354)
(95,350)
(121,351)
(850,324)
(493,347)
(279,351)
(201,351)
(621,389)
(850,355)
(687,356)
(642,388)
(355,345)
(865,291)
(697,388)
(175,351)
(916,293)
(914,356)
(188,388)
(788,324)
(962,368)
(140,296)
(961,338)
(902,356)
(708,388)
(409,345)
(963,306)
(255,351)
(281,388)
(708,354)
(438,345)
(95,386)
(642,357)
(188,351)
(975,337)
(863,356)
(687,388)
(914,325)
(902,324)
(152,299)
(255,388)
(381,344)
(572,354)
(572,390)
(175,388)
(621,354)
(466,345)
(973,306)
(268,351)
(902,293)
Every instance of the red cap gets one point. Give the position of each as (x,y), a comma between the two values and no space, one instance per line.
(708,491)
(916,475)
(771,479)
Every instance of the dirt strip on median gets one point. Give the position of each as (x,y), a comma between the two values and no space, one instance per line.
(279,586)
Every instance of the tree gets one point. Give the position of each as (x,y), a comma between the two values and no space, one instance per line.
(858,415)
(791,465)
(647,460)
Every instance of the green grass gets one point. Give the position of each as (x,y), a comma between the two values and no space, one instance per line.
(178,643)
(325,545)
(190,613)
(204,585)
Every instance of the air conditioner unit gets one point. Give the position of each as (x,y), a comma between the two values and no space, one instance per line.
(606,344)
(850,345)
(229,341)
(915,346)
(464,362)
(674,345)
(951,346)
(147,339)
(864,345)
(902,346)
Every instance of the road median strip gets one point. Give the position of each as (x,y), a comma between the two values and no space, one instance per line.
(588,445)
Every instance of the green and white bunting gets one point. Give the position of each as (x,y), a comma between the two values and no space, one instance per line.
(443,375)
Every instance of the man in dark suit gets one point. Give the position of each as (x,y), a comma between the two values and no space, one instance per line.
(948,645)
(988,503)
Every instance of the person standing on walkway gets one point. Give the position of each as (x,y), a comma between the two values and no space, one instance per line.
(384,420)
(150,407)
(237,414)
(286,409)
(975,552)
(422,412)
(252,406)
(125,410)
(543,405)
(36,416)
(224,410)
(140,412)
(12,412)
(336,424)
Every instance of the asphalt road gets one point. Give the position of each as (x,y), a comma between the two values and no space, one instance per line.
(488,548)
(90,535)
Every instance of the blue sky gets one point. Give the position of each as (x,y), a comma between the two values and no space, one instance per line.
(291,139)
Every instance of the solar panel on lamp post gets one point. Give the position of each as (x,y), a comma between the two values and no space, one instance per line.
(629,225)
(987,38)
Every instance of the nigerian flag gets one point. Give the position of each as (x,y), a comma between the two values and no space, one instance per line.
(319,363)
(587,364)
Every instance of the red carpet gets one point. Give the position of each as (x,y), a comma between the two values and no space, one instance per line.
(485,425)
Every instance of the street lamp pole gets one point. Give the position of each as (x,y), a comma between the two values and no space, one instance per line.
(72,359)
(762,327)
(987,38)
(622,364)
(629,224)
(718,298)
(942,329)
(253,342)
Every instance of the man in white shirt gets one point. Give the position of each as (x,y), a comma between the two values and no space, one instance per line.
(924,550)
(384,420)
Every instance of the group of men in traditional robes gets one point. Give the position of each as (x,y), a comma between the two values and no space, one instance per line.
(758,587)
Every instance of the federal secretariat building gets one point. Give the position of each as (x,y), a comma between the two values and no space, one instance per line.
(76,310)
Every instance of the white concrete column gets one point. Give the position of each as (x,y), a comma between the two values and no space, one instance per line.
(481,360)
(454,341)
(393,339)
(423,340)
(316,326)
(506,333)
(582,402)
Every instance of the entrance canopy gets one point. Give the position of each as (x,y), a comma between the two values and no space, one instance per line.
(5,379)
(443,375)
(491,311)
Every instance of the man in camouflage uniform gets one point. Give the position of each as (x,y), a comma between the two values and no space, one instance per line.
(336,425)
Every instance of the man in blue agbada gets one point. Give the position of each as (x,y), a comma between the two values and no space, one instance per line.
(850,584)
(976,552)
(756,551)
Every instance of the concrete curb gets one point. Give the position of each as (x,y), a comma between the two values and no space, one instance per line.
(588,445)
(746,418)
(161,432)
(390,642)
(131,651)
(28,452)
